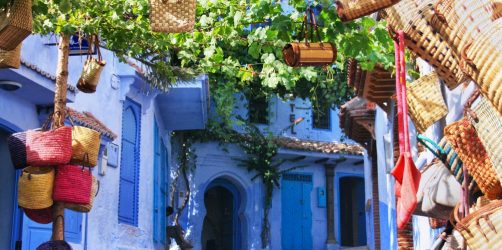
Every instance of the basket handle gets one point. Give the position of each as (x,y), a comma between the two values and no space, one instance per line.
(463,55)
(433,145)
(467,107)
(309,19)
(438,13)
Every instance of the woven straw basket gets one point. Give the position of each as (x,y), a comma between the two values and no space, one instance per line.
(423,41)
(72,184)
(353,9)
(85,146)
(465,141)
(488,124)
(42,216)
(10,58)
(482,228)
(425,102)
(15,24)
(35,187)
(85,208)
(17,149)
(49,148)
(172,16)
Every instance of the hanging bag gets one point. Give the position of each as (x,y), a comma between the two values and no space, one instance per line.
(298,54)
(42,216)
(17,149)
(172,16)
(72,184)
(425,102)
(85,208)
(352,9)
(15,24)
(85,145)
(93,67)
(35,188)
(10,58)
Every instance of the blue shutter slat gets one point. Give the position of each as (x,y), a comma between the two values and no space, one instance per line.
(73,226)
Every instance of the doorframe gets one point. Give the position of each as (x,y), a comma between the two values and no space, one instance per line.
(338,176)
(236,223)
(17,214)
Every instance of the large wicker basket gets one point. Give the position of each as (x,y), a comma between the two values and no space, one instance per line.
(425,102)
(35,187)
(10,58)
(423,41)
(350,9)
(172,16)
(15,24)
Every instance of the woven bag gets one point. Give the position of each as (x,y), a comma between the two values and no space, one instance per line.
(465,141)
(85,146)
(488,124)
(49,148)
(72,184)
(17,149)
(172,16)
(425,102)
(93,67)
(42,216)
(423,41)
(15,24)
(11,58)
(352,9)
(85,208)
(299,54)
(35,188)
(482,228)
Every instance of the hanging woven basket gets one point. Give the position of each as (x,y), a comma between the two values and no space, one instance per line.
(15,24)
(10,58)
(352,9)
(49,148)
(93,67)
(85,146)
(172,16)
(42,216)
(35,187)
(17,149)
(423,41)
(425,102)
(85,208)
(72,184)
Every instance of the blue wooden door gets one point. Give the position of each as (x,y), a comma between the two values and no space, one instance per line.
(35,234)
(296,226)
(159,189)
(360,208)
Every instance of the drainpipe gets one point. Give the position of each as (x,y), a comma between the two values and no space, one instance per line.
(330,173)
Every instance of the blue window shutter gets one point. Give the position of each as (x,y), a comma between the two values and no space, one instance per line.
(129,164)
(73,226)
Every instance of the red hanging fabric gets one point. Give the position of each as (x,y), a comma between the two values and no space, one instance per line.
(406,174)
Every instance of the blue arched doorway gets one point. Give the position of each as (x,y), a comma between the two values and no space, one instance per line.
(221,229)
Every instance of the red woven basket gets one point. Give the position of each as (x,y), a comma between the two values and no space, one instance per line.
(42,216)
(72,184)
(49,148)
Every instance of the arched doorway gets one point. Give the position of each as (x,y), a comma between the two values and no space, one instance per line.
(221,228)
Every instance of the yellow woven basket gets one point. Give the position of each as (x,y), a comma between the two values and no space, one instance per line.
(85,146)
(35,187)
(15,24)
(350,9)
(10,58)
(172,16)
(425,102)
(482,228)
(87,207)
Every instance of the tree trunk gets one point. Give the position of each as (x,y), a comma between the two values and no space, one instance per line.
(58,119)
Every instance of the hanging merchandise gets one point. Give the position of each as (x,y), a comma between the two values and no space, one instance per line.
(72,184)
(15,23)
(35,187)
(48,148)
(349,9)
(444,152)
(172,16)
(10,58)
(56,244)
(488,123)
(465,141)
(423,41)
(17,149)
(85,145)
(42,216)
(438,192)
(482,228)
(425,101)
(406,174)
(298,54)
(85,208)
(93,67)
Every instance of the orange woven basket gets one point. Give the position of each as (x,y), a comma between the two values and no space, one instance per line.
(349,9)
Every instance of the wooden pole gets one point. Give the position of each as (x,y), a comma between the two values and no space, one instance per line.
(59,117)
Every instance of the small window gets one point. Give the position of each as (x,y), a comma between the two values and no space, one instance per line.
(258,109)
(321,118)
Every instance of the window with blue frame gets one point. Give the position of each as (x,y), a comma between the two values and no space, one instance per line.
(129,163)
(160,189)
(321,118)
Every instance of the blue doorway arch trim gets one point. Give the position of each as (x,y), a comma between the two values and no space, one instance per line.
(338,177)
(236,224)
